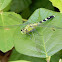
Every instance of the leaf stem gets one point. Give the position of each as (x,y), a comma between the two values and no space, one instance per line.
(24,20)
(48,59)
(1,11)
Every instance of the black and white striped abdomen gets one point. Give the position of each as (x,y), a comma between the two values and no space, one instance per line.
(50,17)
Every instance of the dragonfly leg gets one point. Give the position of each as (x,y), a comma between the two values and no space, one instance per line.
(29,35)
(38,33)
(53,28)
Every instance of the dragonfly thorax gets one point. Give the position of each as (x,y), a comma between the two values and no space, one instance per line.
(29,28)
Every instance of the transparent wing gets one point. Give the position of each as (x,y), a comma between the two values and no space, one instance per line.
(17,19)
(14,17)
(49,26)
(45,26)
(38,42)
(10,26)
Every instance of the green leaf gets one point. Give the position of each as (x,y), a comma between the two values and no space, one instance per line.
(20,61)
(58,4)
(6,30)
(44,41)
(19,5)
(4,4)
(7,8)
(19,56)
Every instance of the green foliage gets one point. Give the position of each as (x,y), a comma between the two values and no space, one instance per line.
(56,57)
(19,5)
(6,33)
(4,3)
(41,43)
(7,8)
(45,45)
(42,4)
(58,4)
(19,56)
(35,5)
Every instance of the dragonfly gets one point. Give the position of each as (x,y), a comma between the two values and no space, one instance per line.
(30,26)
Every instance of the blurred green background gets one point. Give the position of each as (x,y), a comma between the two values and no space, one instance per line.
(27,7)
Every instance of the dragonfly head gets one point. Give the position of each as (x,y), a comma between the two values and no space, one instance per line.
(23,31)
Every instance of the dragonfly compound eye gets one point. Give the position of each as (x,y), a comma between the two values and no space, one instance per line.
(21,29)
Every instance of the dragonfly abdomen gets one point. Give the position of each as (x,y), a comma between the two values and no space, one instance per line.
(48,18)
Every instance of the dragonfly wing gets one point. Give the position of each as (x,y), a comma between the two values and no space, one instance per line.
(13,16)
(49,26)
(38,42)
(14,20)
(9,26)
